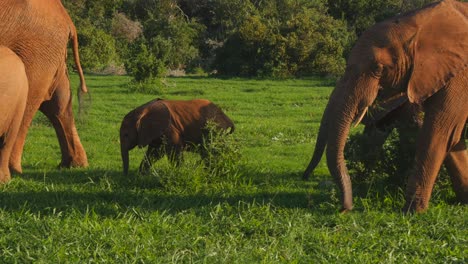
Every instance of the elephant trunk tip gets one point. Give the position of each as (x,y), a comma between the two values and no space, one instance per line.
(125,160)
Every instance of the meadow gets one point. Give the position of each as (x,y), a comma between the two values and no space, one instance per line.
(258,211)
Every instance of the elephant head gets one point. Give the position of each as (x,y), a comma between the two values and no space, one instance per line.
(142,126)
(416,53)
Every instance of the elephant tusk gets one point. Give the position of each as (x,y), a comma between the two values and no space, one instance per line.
(361,116)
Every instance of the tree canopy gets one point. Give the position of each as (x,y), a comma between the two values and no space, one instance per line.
(261,38)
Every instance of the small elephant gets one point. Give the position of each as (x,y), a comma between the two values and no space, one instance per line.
(14,90)
(175,125)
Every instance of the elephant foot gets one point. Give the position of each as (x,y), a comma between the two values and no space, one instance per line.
(345,210)
(16,168)
(74,163)
(414,206)
(5,176)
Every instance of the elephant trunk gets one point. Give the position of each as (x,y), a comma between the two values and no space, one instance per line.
(334,129)
(124,153)
(338,132)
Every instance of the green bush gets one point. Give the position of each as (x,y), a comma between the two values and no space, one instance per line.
(381,155)
(285,39)
(147,59)
(219,168)
(222,153)
(155,86)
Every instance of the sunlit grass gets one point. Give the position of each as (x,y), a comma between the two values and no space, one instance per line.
(262,213)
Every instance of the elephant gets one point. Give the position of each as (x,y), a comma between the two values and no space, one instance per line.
(424,54)
(14,86)
(39,32)
(387,112)
(168,127)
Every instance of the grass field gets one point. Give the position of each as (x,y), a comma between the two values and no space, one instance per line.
(260,212)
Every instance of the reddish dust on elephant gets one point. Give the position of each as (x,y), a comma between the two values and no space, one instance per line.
(169,127)
(14,90)
(423,54)
(39,32)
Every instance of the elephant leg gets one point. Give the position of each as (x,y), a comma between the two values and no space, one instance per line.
(174,154)
(7,142)
(456,163)
(17,151)
(59,111)
(430,154)
(152,155)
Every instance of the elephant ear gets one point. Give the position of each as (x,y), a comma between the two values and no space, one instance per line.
(440,48)
(153,122)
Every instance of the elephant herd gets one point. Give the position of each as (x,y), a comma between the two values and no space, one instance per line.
(415,59)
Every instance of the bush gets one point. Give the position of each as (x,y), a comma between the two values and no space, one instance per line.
(219,168)
(283,40)
(381,155)
(147,59)
(97,49)
(222,153)
(124,28)
(154,86)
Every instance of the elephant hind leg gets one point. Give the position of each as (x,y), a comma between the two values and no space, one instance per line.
(59,111)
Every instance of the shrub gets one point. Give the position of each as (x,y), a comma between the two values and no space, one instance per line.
(147,59)
(124,28)
(154,86)
(285,39)
(221,153)
(219,169)
(381,155)
(97,49)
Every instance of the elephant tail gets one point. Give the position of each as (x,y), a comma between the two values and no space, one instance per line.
(320,145)
(82,89)
(76,56)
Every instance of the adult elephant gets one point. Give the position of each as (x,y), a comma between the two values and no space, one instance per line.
(423,53)
(14,86)
(38,32)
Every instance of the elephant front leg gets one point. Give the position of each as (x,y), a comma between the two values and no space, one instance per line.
(457,167)
(439,140)
(429,157)
(59,111)
(153,154)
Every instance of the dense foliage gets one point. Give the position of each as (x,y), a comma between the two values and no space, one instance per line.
(278,38)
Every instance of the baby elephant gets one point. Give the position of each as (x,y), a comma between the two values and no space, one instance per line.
(173,125)
(14,92)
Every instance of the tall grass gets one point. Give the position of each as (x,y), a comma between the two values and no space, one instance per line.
(258,211)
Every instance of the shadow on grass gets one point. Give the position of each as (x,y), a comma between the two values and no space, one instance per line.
(110,194)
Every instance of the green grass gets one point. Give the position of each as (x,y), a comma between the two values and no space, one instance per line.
(262,213)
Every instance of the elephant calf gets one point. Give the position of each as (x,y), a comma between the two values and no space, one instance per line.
(168,127)
(14,92)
